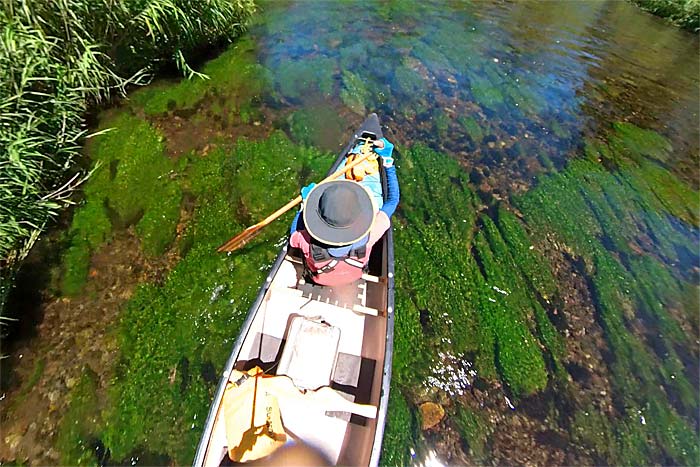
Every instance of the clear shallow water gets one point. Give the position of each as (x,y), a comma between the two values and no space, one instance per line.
(513,91)
(535,76)
(545,108)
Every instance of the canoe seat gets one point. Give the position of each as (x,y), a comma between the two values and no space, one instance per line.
(310,352)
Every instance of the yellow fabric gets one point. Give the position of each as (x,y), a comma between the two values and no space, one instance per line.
(252,415)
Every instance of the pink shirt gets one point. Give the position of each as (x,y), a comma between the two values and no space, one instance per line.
(343,273)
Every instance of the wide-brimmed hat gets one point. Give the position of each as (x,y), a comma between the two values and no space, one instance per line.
(339,212)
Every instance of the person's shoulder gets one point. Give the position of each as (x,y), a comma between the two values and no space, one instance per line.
(297,239)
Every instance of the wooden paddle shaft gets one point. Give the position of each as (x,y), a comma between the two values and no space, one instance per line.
(298,199)
(231,244)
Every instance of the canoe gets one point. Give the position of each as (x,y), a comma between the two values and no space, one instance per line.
(322,355)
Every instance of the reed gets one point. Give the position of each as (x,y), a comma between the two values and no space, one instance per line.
(57,59)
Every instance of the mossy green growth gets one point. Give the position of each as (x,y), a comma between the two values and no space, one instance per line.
(485,92)
(408,82)
(354,93)
(297,79)
(89,229)
(426,239)
(592,430)
(319,126)
(142,186)
(234,75)
(525,255)
(37,373)
(636,143)
(401,432)
(480,296)
(80,424)
(474,430)
(517,354)
(132,182)
(432,58)
(441,122)
(598,214)
(472,127)
(170,334)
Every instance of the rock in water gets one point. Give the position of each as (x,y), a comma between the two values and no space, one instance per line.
(431,414)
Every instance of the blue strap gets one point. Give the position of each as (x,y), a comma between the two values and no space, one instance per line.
(297,223)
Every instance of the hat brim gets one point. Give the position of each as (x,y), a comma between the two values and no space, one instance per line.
(335,236)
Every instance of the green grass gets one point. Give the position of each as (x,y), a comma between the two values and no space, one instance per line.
(59,59)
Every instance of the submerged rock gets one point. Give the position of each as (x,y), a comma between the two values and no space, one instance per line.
(431,414)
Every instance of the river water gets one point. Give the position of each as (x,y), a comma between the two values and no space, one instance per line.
(576,122)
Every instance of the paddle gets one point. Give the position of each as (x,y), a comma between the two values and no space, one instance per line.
(251,232)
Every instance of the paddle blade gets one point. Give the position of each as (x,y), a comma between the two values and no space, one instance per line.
(240,240)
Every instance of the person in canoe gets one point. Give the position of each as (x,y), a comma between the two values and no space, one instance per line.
(341,220)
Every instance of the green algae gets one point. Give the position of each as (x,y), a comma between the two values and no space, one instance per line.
(484,92)
(517,354)
(473,129)
(354,93)
(590,210)
(432,58)
(353,56)
(401,431)
(635,143)
(407,81)
(89,229)
(441,122)
(485,303)
(592,430)
(532,264)
(295,79)
(317,125)
(474,430)
(170,334)
(133,182)
(37,373)
(78,426)
(234,74)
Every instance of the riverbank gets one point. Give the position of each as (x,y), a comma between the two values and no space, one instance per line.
(64,60)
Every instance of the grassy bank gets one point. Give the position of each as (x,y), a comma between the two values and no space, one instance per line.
(59,58)
(684,13)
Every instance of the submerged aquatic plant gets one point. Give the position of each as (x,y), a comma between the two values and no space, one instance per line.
(603,218)
(188,323)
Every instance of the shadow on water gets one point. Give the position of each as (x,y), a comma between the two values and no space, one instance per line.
(34,282)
